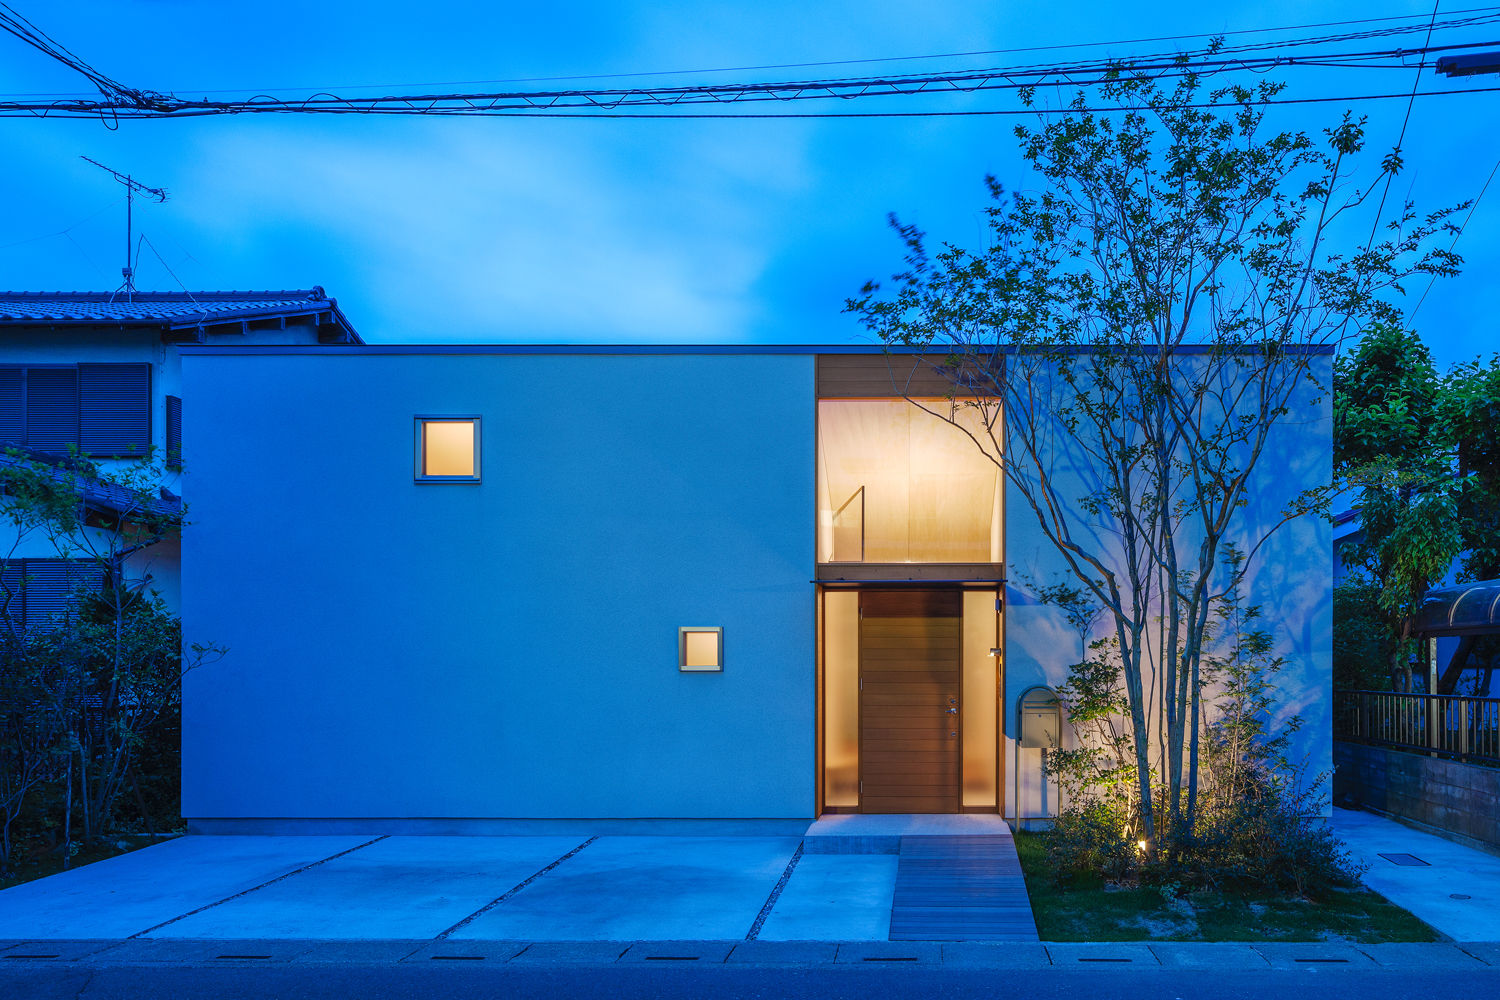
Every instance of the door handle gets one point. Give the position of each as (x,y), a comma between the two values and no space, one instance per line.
(950,711)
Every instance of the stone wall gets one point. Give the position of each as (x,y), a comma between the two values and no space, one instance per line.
(1459,801)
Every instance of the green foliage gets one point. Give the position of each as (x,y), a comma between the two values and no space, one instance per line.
(1470,412)
(1141,238)
(1422,455)
(103,680)
(1386,399)
(1362,639)
(1256,824)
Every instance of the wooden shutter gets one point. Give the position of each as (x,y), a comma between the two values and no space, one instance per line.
(174,432)
(12,405)
(114,409)
(52,408)
(51,587)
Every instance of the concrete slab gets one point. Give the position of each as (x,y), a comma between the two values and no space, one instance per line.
(131,893)
(572,953)
(181,951)
(763,952)
(1414,955)
(996,954)
(1301,955)
(462,952)
(400,887)
(685,952)
(1208,955)
(835,897)
(54,950)
(1452,870)
(1487,952)
(1114,953)
(355,952)
(645,888)
(881,834)
(890,952)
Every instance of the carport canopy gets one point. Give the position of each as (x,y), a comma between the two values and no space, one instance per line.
(1466,609)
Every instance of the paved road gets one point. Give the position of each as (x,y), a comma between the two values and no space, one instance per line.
(730,983)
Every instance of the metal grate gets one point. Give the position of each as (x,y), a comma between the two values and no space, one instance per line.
(1407,860)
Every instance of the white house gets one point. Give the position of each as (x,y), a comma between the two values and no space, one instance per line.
(501,588)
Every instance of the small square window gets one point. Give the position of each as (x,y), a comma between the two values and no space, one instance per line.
(700,648)
(447,449)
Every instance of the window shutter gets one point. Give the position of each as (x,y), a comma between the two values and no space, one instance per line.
(114,409)
(12,405)
(52,408)
(51,585)
(174,432)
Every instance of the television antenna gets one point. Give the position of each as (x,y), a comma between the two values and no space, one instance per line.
(131,187)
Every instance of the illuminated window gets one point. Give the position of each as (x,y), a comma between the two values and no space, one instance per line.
(700,648)
(447,450)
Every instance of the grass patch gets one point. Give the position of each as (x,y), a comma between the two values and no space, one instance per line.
(1094,911)
(34,861)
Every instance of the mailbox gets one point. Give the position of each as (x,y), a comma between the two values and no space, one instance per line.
(1039,719)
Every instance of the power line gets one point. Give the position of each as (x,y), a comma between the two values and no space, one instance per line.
(532,102)
(1465,225)
(827,62)
(118,101)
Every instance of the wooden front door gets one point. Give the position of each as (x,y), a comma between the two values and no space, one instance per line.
(910,654)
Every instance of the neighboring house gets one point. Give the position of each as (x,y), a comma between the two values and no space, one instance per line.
(504,588)
(99,374)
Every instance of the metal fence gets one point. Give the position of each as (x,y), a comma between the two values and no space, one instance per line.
(1451,725)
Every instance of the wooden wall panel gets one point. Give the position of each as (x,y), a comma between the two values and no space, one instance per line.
(877,376)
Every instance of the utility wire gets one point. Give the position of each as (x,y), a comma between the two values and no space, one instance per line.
(1401,138)
(118,101)
(1464,225)
(522,102)
(810,65)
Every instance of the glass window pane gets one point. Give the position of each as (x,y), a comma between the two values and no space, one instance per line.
(981,697)
(700,649)
(901,482)
(448,448)
(841,698)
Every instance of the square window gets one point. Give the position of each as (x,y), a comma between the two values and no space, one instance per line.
(700,648)
(447,449)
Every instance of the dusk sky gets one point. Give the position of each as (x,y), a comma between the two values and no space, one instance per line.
(508,230)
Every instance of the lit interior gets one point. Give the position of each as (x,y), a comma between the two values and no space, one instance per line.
(700,648)
(448,448)
(899,484)
(841,698)
(981,697)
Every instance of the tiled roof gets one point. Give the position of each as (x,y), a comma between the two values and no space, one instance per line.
(96,493)
(175,310)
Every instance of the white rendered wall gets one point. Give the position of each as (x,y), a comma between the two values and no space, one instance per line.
(506,649)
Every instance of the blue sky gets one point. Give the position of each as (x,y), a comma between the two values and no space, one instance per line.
(465,230)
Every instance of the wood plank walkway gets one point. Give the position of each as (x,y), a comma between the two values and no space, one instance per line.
(960,889)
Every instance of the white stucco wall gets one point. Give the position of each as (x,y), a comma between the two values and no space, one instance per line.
(506,649)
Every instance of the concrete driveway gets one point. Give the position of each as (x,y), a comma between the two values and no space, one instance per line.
(553,888)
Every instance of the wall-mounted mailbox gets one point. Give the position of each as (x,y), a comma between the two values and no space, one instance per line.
(1039,718)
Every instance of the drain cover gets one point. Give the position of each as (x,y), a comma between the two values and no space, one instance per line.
(1409,860)
(1459,895)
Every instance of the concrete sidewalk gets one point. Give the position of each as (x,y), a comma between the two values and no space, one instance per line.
(141,952)
(1454,888)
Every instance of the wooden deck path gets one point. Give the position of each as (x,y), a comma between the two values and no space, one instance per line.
(965,888)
